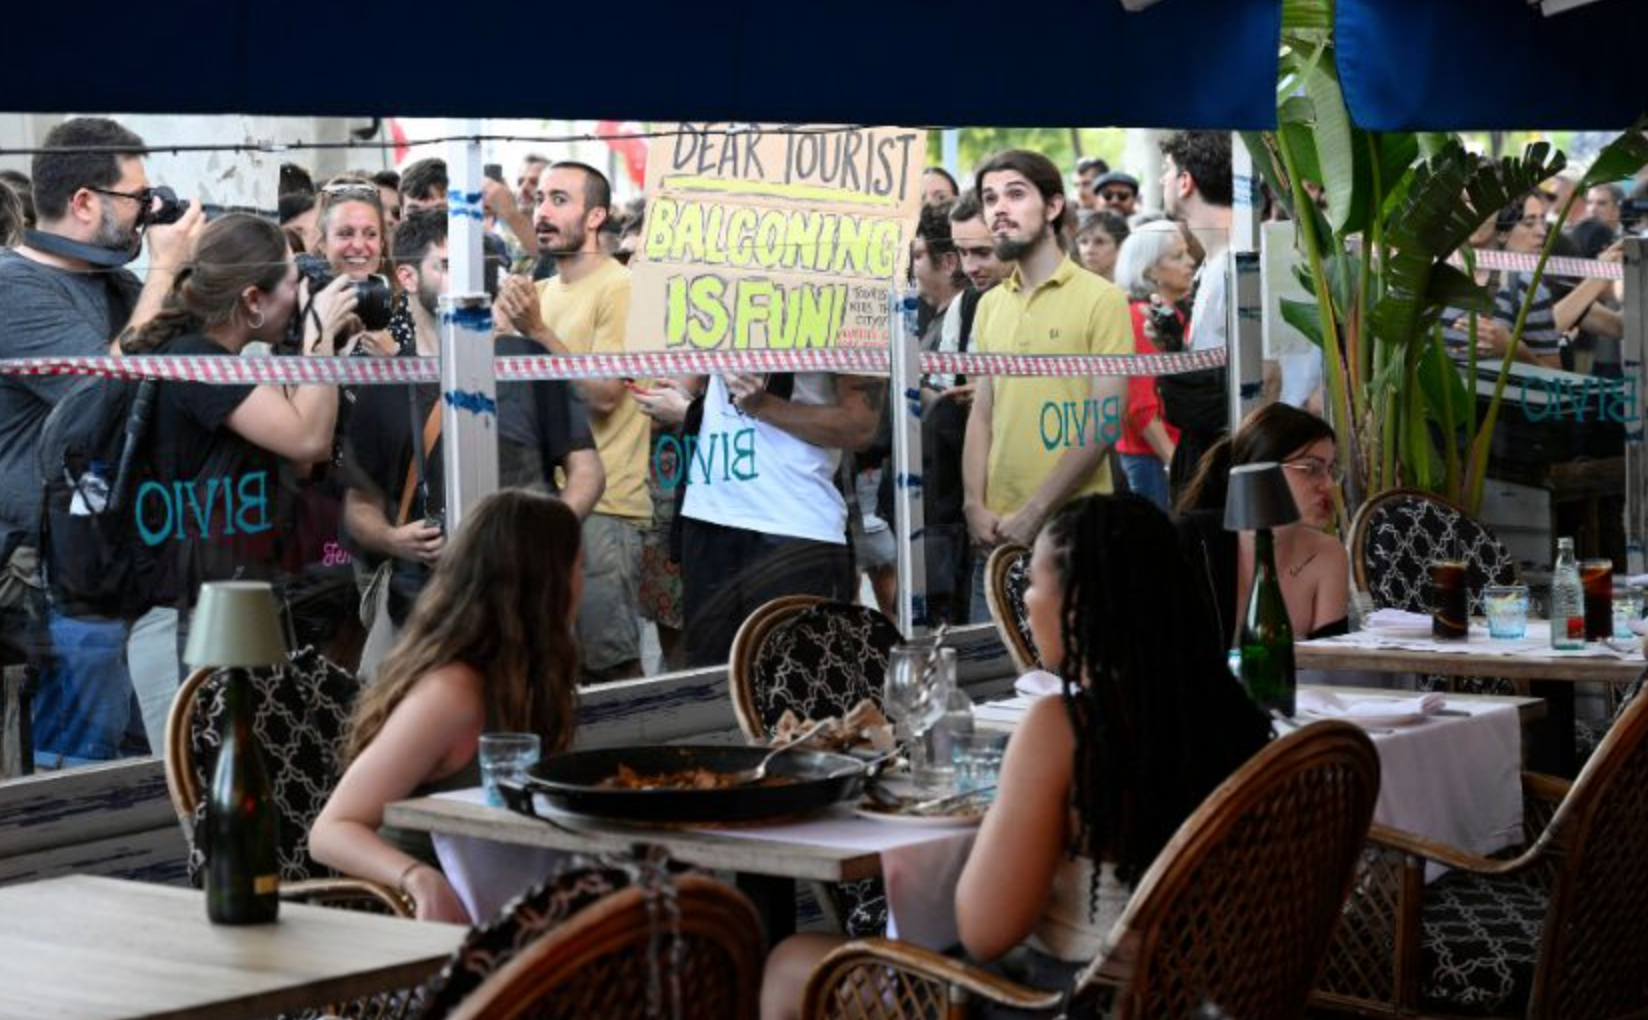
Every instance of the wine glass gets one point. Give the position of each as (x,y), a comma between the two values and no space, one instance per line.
(914,698)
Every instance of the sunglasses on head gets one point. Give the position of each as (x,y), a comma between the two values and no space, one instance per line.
(352,190)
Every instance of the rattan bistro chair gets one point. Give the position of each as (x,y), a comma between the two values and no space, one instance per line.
(816,658)
(690,950)
(1006,576)
(1236,910)
(1558,932)
(302,712)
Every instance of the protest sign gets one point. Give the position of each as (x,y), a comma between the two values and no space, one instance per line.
(766,237)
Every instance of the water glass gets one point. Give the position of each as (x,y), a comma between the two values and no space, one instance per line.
(506,756)
(1628,606)
(977,757)
(1507,609)
(919,680)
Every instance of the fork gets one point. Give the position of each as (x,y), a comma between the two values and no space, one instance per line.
(749,777)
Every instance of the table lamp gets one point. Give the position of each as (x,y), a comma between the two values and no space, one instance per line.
(1257,500)
(236,626)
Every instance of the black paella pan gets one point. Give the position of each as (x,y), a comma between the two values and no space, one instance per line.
(799,782)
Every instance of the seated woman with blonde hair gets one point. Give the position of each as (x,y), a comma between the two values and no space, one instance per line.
(489,646)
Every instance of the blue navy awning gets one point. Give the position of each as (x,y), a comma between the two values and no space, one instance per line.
(1183,63)
(1461,65)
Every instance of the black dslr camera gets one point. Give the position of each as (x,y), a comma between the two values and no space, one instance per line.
(372,296)
(1167,326)
(168,209)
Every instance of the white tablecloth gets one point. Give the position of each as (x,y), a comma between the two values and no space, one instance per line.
(921,865)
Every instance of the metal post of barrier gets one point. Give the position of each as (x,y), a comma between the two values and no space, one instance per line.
(909,514)
(1244,337)
(1632,348)
(469,393)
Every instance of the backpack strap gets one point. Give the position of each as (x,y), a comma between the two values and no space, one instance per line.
(418,469)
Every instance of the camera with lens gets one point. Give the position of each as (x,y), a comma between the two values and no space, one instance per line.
(436,519)
(1167,327)
(165,207)
(372,295)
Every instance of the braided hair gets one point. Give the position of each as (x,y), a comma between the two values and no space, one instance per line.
(1159,720)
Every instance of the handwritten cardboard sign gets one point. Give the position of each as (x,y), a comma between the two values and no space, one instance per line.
(765,237)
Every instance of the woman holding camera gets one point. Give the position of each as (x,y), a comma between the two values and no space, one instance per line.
(354,237)
(208,504)
(1155,268)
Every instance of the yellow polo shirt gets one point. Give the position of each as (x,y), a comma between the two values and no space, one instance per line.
(1035,420)
(590,317)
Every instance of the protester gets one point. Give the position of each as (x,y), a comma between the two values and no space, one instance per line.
(1096,779)
(299,214)
(11,216)
(584,309)
(389,193)
(241,287)
(1017,473)
(938,187)
(1117,193)
(353,233)
(1155,269)
(1098,239)
(526,180)
(1521,227)
(1602,205)
(394,509)
(23,188)
(64,293)
(1312,563)
(488,649)
(975,245)
(1088,172)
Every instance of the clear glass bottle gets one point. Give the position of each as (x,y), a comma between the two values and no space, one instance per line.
(1567,599)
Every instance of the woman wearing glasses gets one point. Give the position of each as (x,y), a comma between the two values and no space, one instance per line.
(1314,567)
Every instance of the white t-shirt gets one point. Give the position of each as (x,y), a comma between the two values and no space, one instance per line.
(751,475)
(1207,314)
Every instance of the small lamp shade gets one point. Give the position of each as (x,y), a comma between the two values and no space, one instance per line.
(235,623)
(1258,497)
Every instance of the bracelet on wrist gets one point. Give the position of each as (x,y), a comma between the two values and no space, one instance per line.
(406,873)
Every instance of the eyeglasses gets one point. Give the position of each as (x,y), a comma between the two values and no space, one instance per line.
(144,198)
(1315,469)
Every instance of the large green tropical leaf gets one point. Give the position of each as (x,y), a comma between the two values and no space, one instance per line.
(1339,147)
(1434,222)
(1304,316)
(1620,159)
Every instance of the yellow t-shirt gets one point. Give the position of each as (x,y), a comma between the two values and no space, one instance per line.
(1035,420)
(590,317)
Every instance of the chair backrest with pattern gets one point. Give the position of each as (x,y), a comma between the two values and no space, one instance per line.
(301,718)
(1397,534)
(533,915)
(1239,906)
(814,658)
(691,948)
(1594,948)
(1007,575)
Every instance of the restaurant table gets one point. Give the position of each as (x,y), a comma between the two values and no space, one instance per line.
(1551,674)
(491,854)
(91,948)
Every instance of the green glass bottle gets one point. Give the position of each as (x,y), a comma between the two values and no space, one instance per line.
(241,827)
(1267,635)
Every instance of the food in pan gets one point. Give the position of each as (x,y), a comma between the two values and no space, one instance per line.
(683,779)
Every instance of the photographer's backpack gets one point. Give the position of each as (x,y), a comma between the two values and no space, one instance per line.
(90,457)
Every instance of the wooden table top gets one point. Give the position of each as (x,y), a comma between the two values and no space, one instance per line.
(780,859)
(90,948)
(1325,655)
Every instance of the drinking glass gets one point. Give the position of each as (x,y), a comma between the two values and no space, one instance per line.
(918,685)
(506,756)
(1507,609)
(1450,612)
(1628,605)
(1597,578)
(978,759)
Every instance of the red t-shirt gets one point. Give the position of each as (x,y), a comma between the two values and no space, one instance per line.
(1143,404)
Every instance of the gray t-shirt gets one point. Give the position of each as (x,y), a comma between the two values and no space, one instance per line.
(45,312)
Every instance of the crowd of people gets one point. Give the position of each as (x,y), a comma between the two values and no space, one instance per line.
(337,494)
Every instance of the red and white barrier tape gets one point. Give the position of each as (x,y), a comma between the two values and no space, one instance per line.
(390,371)
(1524,262)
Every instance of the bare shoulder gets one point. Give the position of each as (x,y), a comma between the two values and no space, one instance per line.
(454,688)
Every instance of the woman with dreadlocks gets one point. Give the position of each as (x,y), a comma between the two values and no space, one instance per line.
(1096,780)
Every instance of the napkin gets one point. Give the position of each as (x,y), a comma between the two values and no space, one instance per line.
(1395,619)
(1038,683)
(1325,703)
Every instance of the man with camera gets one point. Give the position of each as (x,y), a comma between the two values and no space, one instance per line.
(395,505)
(64,292)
